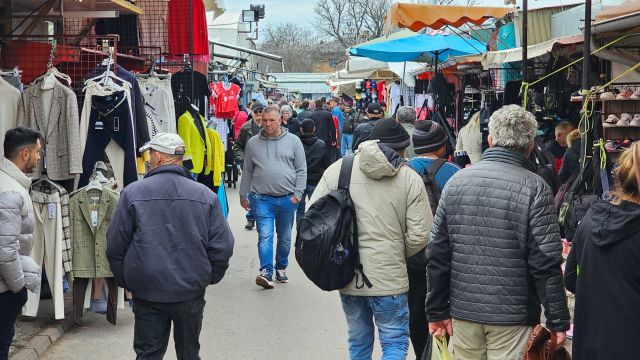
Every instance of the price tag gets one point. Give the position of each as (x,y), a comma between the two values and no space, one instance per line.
(52,210)
(94,218)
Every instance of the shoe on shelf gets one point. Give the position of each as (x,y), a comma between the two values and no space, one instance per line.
(265,280)
(625,120)
(610,121)
(607,96)
(635,121)
(250,224)
(576,96)
(635,95)
(281,276)
(610,146)
(624,94)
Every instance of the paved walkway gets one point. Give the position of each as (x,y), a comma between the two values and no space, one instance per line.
(241,321)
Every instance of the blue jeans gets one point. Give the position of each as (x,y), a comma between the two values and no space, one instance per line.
(251,213)
(347,143)
(269,211)
(303,203)
(391,316)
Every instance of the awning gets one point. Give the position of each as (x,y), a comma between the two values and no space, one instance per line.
(627,8)
(493,59)
(417,47)
(419,16)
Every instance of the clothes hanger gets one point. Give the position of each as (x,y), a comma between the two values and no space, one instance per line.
(44,178)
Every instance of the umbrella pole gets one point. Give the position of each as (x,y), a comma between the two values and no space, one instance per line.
(404,71)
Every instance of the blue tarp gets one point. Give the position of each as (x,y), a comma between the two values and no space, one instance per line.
(414,47)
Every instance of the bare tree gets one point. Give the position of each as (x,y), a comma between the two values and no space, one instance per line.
(294,43)
(350,22)
(450,2)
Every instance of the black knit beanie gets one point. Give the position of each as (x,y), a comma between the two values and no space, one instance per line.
(391,133)
(428,137)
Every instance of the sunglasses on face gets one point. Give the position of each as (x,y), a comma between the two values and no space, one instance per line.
(257,111)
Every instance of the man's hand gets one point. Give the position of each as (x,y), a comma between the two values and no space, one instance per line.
(245,204)
(294,199)
(561,337)
(441,328)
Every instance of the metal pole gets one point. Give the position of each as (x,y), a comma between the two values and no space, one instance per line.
(586,149)
(525,37)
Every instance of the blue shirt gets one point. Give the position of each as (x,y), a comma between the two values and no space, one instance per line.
(338,113)
(447,170)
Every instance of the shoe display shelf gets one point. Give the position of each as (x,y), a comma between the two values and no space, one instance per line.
(620,109)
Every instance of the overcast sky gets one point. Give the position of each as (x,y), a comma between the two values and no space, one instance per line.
(301,11)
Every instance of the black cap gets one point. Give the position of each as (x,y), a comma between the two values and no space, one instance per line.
(391,133)
(257,106)
(374,109)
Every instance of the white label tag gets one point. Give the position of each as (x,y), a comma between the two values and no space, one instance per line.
(94,217)
(52,211)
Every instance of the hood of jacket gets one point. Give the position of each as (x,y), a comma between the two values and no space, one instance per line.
(9,168)
(611,224)
(308,139)
(378,161)
(173,169)
(285,131)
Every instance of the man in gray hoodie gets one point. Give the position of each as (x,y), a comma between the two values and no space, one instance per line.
(275,170)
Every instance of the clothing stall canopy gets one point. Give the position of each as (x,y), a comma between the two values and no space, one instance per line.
(624,19)
(357,64)
(495,59)
(419,47)
(420,16)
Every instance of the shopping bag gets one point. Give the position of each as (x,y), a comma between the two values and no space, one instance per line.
(540,344)
(439,349)
(222,196)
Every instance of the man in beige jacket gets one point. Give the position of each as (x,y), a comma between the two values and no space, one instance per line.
(394,218)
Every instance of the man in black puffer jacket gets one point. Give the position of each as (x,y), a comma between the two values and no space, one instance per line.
(495,253)
(318,160)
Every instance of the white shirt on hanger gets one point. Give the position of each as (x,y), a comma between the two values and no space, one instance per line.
(9,102)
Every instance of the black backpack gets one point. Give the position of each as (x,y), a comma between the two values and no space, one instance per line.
(419,260)
(327,242)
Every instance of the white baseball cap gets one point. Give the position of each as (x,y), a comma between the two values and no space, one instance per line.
(166,143)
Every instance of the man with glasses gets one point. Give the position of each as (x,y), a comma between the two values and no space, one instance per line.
(248,130)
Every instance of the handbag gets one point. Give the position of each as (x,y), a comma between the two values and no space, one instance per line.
(540,345)
(574,206)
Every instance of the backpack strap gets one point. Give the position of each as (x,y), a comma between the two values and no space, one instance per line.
(345,172)
(435,167)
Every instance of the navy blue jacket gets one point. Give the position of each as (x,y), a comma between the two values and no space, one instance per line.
(168,239)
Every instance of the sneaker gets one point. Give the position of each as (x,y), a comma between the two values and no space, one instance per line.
(635,121)
(265,280)
(610,121)
(607,96)
(625,120)
(281,276)
(624,94)
(250,224)
(636,95)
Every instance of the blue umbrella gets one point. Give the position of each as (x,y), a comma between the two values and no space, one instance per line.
(417,46)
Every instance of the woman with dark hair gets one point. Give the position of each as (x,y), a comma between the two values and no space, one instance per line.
(602,270)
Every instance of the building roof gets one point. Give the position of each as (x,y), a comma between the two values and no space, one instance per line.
(307,83)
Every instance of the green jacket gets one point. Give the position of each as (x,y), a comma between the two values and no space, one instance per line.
(89,244)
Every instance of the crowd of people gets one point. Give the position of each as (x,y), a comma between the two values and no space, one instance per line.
(474,253)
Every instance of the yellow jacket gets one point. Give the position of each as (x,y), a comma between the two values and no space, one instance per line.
(197,147)
(218,156)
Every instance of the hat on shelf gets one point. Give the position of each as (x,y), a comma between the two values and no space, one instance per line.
(166,143)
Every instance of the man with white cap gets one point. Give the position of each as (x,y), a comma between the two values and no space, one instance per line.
(167,242)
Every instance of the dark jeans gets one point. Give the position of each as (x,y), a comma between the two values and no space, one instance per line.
(418,326)
(10,306)
(303,203)
(153,326)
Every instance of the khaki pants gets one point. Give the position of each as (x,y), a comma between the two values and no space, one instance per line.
(473,341)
